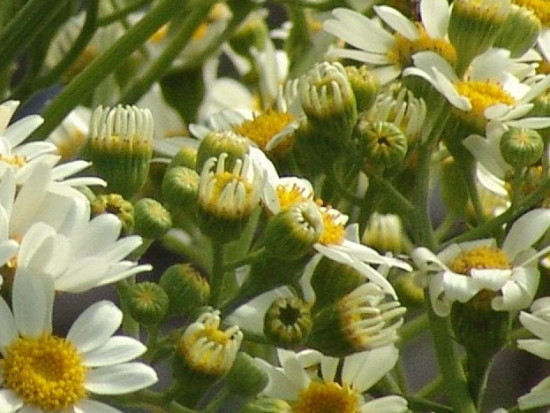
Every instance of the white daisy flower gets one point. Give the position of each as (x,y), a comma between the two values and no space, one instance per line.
(503,278)
(82,255)
(308,381)
(488,91)
(386,51)
(339,242)
(41,372)
(537,321)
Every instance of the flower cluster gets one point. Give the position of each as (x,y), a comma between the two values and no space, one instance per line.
(279,197)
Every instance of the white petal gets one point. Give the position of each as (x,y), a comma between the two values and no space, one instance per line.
(9,401)
(386,404)
(32,300)
(120,379)
(19,131)
(95,326)
(537,347)
(526,231)
(92,406)
(118,349)
(535,325)
(435,17)
(8,330)
(365,369)
(397,21)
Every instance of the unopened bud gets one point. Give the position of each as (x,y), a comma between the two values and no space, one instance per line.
(148,303)
(521,147)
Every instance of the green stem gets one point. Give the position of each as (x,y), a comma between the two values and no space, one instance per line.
(432,388)
(413,328)
(84,84)
(152,399)
(217,276)
(249,258)
(419,404)
(178,41)
(119,14)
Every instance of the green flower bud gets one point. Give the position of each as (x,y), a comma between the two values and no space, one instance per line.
(115,204)
(332,280)
(382,143)
(362,320)
(252,33)
(287,322)
(184,89)
(329,103)
(217,142)
(266,405)
(474,26)
(120,147)
(148,303)
(186,156)
(186,288)
(384,232)
(245,377)
(152,220)
(521,147)
(365,86)
(291,233)
(408,291)
(520,31)
(180,188)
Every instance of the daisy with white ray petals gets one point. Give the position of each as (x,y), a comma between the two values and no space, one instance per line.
(488,91)
(338,242)
(41,372)
(499,278)
(537,321)
(389,53)
(307,380)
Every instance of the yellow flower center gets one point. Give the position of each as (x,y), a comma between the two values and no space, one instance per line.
(403,49)
(328,397)
(14,160)
(290,196)
(333,229)
(264,127)
(482,94)
(45,372)
(68,148)
(541,9)
(482,257)
(230,195)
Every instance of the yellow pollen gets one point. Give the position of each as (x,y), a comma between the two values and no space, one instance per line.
(45,372)
(328,397)
(544,66)
(14,160)
(481,94)
(541,9)
(333,232)
(403,49)
(482,257)
(290,196)
(264,127)
(207,350)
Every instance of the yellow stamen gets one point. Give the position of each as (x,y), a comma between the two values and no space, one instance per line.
(482,257)
(45,372)
(541,9)
(264,127)
(290,196)
(327,398)
(402,51)
(333,229)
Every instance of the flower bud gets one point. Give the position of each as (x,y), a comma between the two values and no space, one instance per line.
(115,204)
(329,102)
(266,405)
(120,147)
(227,197)
(520,31)
(331,280)
(186,288)
(291,233)
(245,377)
(217,142)
(148,303)
(152,220)
(384,232)
(287,322)
(409,292)
(180,188)
(186,156)
(474,26)
(359,321)
(365,86)
(382,143)
(521,147)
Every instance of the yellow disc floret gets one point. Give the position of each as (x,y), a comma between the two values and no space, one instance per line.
(483,257)
(333,226)
(327,398)
(264,127)
(289,196)
(482,94)
(403,49)
(45,372)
